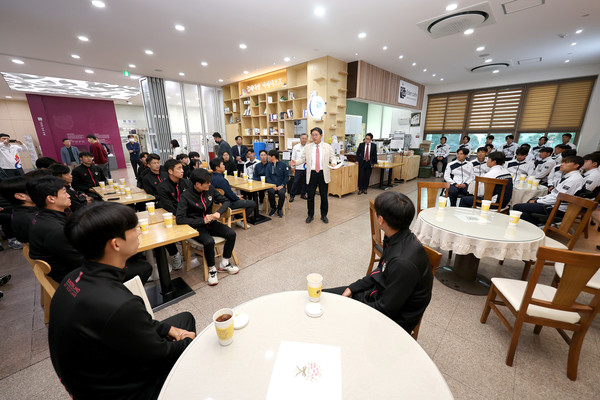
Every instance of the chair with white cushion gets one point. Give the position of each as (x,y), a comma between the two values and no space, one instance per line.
(544,305)
(136,287)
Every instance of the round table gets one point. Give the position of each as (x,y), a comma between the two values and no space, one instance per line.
(378,358)
(523,195)
(471,235)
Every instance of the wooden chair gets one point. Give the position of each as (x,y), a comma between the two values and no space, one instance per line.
(376,238)
(286,205)
(41,269)
(585,229)
(544,305)
(577,206)
(432,193)
(489,185)
(136,287)
(238,211)
(434,259)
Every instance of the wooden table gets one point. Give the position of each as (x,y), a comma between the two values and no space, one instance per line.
(257,186)
(137,196)
(389,167)
(157,218)
(169,291)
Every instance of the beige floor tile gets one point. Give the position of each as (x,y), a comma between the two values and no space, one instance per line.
(461,391)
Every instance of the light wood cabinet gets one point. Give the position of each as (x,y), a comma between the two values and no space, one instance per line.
(410,169)
(344,180)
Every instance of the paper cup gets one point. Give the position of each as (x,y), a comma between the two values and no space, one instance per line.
(250,183)
(245,176)
(110,182)
(442,201)
(224,328)
(262,179)
(168,218)
(485,205)
(102,185)
(128,192)
(536,183)
(522,178)
(122,181)
(235,174)
(315,284)
(144,227)
(514,217)
(122,189)
(224,173)
(115,186)
(150,207)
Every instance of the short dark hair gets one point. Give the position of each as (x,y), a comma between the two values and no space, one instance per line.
(180,157)
(152,156)
(11,186)
(526,145)
(200,175)
(91,227)
(44,162)
(563,146)
(573,159)
(193,154)
(490,137)
(396,209)
(522,151)
(59,169)
(510,137)
(216,135)
(36,173)
(143,154)
(70,139)
(40,188)
(316,128)
(468,138)
(92,137)
(85,153)
(274,153)
(568,135)
(569,152)
(215,162)
(130,136)
(445,138)
(489,146)
(4,135)
(463,150)
(236,138)
(174,143)
(263,151)
(545,138)
(171,164)
(497,156)
(369,135)
(250,150)
(546,150)
(483,148)
(595,157)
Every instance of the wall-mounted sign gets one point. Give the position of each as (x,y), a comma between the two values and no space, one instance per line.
(408,93)
(263,83)
(316,107)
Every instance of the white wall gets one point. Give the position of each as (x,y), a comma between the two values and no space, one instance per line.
(130,117)
(374,120)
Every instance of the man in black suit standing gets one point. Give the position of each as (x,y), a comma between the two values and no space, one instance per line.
(239,154)
(366,155)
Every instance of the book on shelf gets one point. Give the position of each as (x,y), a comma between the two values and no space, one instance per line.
(256,131)
(292,97)
(231,119)
(269,99)
(304,113)
(265,131)
(290,113)
(234,105)
(282,115)
(227,110)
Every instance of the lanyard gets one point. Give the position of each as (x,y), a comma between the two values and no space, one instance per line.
(91,176)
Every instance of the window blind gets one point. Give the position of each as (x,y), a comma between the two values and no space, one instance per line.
(495,109)
(446,112)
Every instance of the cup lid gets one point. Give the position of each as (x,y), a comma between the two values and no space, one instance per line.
(240,320)
(314,310)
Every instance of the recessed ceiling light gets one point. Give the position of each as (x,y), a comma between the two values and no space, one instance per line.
(433,75)
(480,48)
(413,64)
(578,31)
(220,80)
(362,35)
(286,59)
(573,44)
(424,69)
(401,56)
(384,47)
(83,38)
(179,27)
(245,72)
(134,77)
(129,102)
(181,74)
(179,103)
(149,52)
(75,56)
(243,46)
(204,64)
(488,60)
(17,61)
(98,3)
(469,31)
(355,54)
(441,79)
(319,11)
(8,97)
(131,65)
(567,61)
(495,71)
(451,7)
(89,71)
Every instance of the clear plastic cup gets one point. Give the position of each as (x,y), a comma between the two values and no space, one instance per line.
(315,285)
(225,173)
(110,181)
(223,327)
(122,181)
(128,192)
(442,201)
(536,183)
(485,205)
(235,173)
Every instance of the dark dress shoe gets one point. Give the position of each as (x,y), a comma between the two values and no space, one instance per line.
(4,279)
(291,199)
(324,219)
(272,212)
(365,191)
(360,191)
(309,219)
(304,196)
(280,213)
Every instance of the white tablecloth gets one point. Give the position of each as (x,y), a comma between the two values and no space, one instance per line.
(379,360)
(524,195)
(465,231)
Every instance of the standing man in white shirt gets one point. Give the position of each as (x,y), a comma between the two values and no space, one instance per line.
(510,148)
(366,155)
(459,174)
(566,140)
(440,153)
(300,170)
(317,156)
(544,165)
(10,161)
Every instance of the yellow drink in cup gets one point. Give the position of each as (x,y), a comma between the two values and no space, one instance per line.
(116,186)
(514,217)
(122,189)
(442,201)
(144,227)
(128,192)
(250,181)
(122,181)
(485,205)
(262,179)
(102,184)
(168,218)
(315,284)
(225,173)
(223,320)
(235,174)
(110,182)
(150,207)
(245,176)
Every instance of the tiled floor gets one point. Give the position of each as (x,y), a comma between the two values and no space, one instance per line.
(276,256)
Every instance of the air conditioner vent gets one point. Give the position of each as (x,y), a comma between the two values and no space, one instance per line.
(474,16)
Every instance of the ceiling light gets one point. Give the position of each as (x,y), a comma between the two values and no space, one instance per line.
(131,65)
(134,76)
(495,71)
(319,11)
(401,56)
(441,79)
(75,56)
(480,48)
(451,7)
(469,31)
(384,47)
(286,59)
(243,46)
(220,80)
(413,64)
(180,27)
(245,72)
(578,31)
(149,52)
(129,102)
(8,97)
(488,60)
(17,61)
(567,61)
(362,35)
(204,64)
(433,75)
(83,38)
(573,44)
(424,69)
(98,3)
(355,54)
(89,71)
(179,103)
(181,74)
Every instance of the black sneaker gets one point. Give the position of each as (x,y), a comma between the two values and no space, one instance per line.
(291,200)
(272,212)
(4,279)
(280,213)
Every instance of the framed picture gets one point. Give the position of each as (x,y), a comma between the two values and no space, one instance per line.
(415,119)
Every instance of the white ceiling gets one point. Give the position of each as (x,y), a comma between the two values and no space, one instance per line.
(44,34)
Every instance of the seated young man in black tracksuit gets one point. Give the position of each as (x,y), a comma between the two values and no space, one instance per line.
(195,209)
(78,199)
(171,189)
(87,175)
(14,190)
(47,239)
(400,286)
(103,343)
(154,176)
(142,169)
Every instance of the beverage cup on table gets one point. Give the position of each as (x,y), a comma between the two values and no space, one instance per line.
(262,180)
(245,176)
(485,205)
(514,217)
(442,201)
(530,182)
(250,181)
(235,174)
(122,181)
(128,192)
(536,183)
(102,185)
(522,178)
(110,182)
(168,218)
(116,186)
(223,320)
(315,284)
(122,189)
(144,226)
(225,173)
(150,207)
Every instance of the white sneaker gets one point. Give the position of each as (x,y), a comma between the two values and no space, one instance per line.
(212,277)
(241,224)
(14,244)
(177,261)
(229,268)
